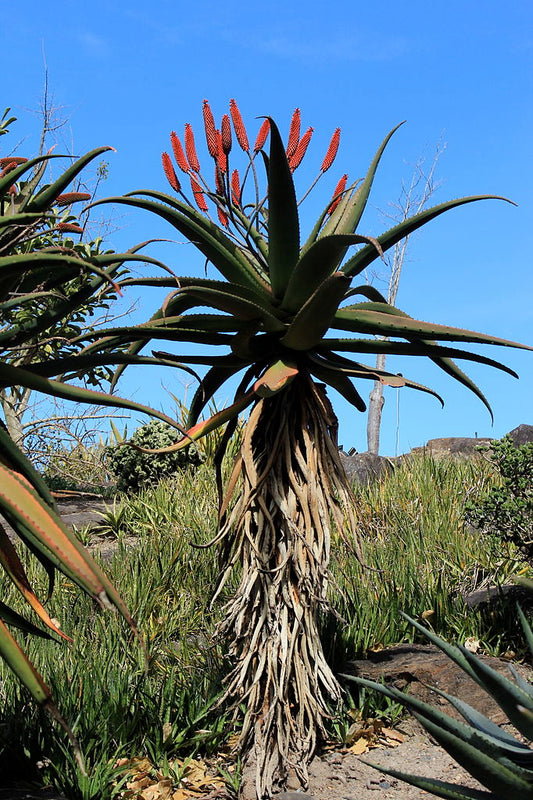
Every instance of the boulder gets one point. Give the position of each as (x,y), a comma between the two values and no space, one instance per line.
(362,468)
(417,667)
(454,446)
(521,435)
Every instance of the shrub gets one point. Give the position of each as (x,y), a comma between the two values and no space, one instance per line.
(508,508)
(136,470)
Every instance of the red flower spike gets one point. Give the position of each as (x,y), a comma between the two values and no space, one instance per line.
(329,158)
(294,134)
(222,159)
(337,194)
(236,188)
(172,178)
(190,148)
(210,130)
(68,227)
(226,134)
(296,159)
(219,183)
(238,125)
(16,160)
(71,197)
(179,155)
(11,165)
(223,217)
(198,194)
(12,191)
(262,136)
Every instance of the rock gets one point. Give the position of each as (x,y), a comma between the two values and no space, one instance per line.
(454,446)
(362,468)
(521,435)
(417,667)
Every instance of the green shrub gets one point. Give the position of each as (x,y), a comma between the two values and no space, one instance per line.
(136,470)
(508,508)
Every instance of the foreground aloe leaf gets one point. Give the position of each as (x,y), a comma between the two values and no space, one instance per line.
(497,759)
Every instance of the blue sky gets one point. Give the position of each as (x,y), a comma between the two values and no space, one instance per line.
(127,73)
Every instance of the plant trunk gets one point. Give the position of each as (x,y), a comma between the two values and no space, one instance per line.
(375,409)
(292,487)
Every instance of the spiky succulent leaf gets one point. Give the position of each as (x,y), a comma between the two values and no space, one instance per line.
(283,222)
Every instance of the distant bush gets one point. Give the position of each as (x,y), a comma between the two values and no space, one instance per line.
(508,508)
(135,470)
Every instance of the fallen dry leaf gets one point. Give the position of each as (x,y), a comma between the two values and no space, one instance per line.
(359,747)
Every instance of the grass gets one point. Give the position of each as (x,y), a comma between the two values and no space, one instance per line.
(419,559)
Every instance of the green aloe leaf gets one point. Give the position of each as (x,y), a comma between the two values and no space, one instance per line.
(367,255)
(46,197)
(218,248)
(318,263)
(283,222)
(340,382)
(527,629)
(347,216)
(13,376)
(11,617)
(14,569)
(276,378)
(414,348)
(508,745)
(448,791)
(384,324)
(210,383)
(12,653)
(236,303)
(314,318)
(16,174)
(355,370)
(12,457)
(507,694)
(448,366)
(495,774)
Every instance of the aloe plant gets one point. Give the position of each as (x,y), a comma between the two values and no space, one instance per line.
(290,317)
(44,279)
(501,762)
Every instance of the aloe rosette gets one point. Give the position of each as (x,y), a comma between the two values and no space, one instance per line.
(501,762)
(287,317)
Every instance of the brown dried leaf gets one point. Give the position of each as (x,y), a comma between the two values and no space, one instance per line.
(359,747)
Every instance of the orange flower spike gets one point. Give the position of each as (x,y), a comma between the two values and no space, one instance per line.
(329,158)
(68,227)
(71,197)
(179,155)
(235,188)
(16,160)
(226,134)
(238,126)
(10,165)
(210,130)
(222,159)
(262,136)
(168,168)
(294,134)
(296,159)
(223,217)
(337,194)
(198,194)
(190,148)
